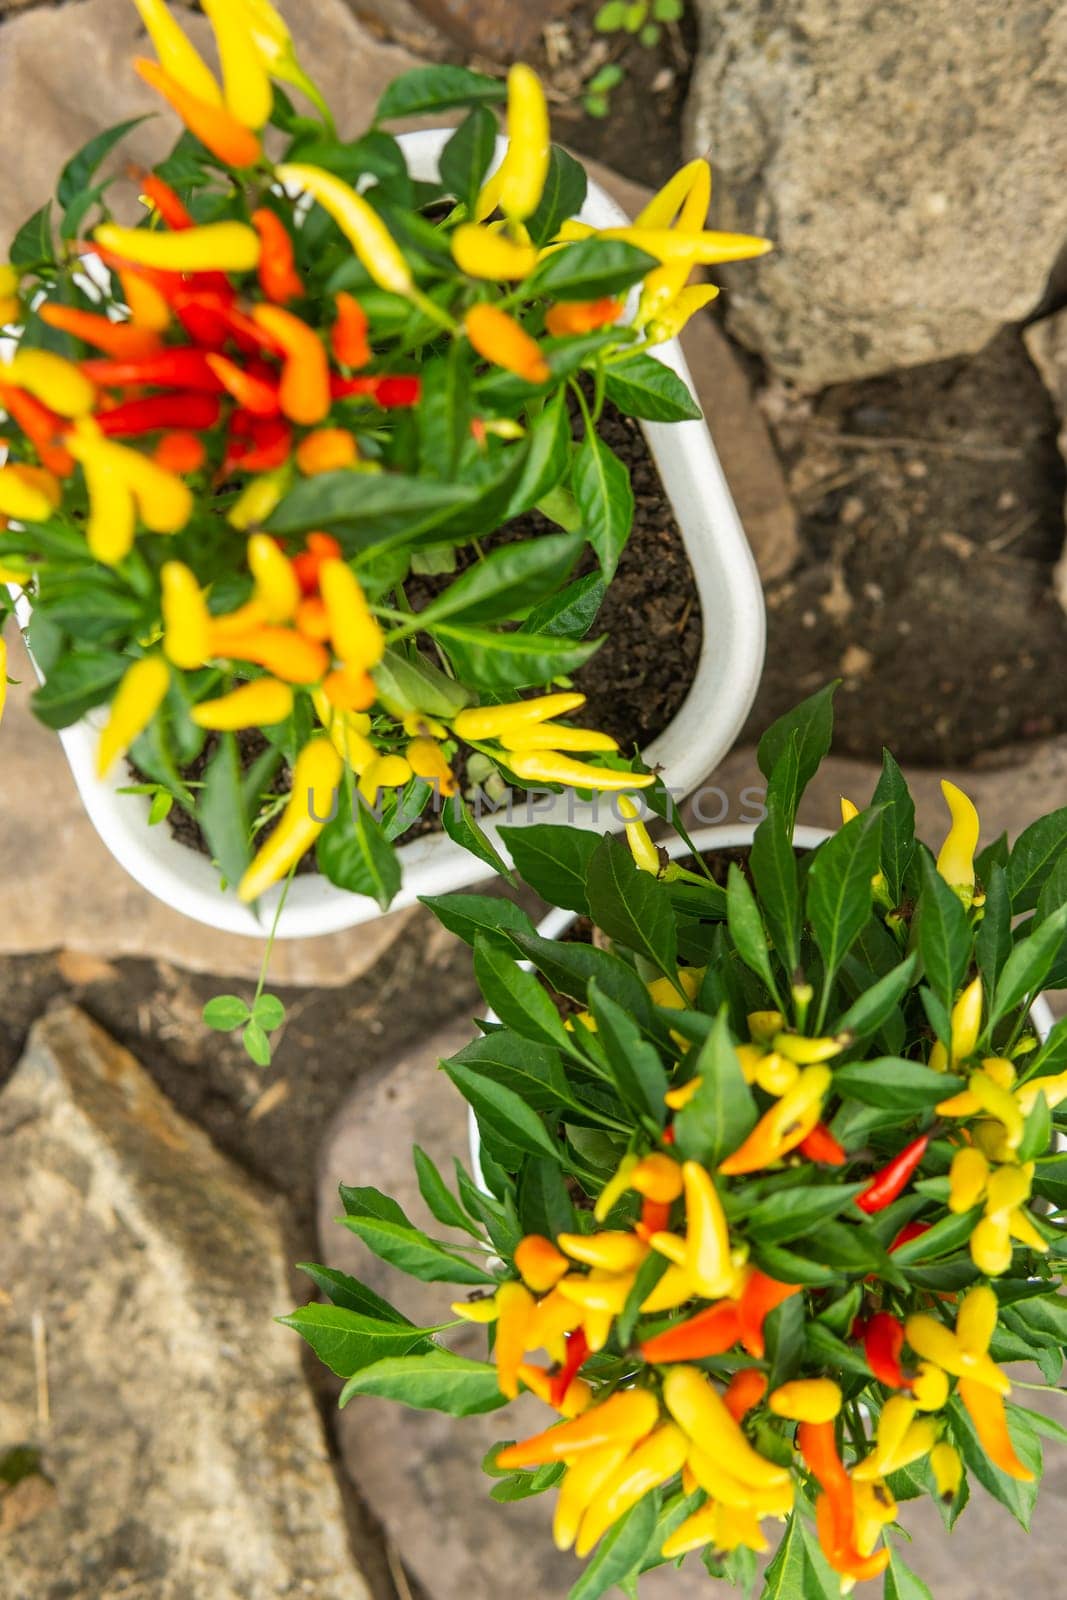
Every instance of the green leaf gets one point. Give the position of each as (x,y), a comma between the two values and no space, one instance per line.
(774,871)
(571,613)
(353,852)
(342,1290)
(436,1381)
(465,158)
(269,1012)
(547,458)
(365,1201)
(554,861)
(631,907)
(898,824)
(503,662)
(942,1239)
(839,887)
(440,1201)
(444,420)
(992,944)
(1028,965)
(33,241)
(746,927)
(225,1013)
(75,685)
(516,997)
(633,1062)
(570,966)
(414,1252)
(602,489)
(406,685)
(469,914)
(1054,890)
(437,88)
(256,1043)
(1017,1496)
(643,387)
(347,1340)
(793,1212)
(221,812)
(500,1110)
(610,17)
(544,1202)
(373,511)
(723,1111)
(620,1552)
(532,1071)
(591,269)
(894,1083)
(562,197)
(790,752)
(459,823)
(506,581)
(1033,857)
(944,934)
(874,1006)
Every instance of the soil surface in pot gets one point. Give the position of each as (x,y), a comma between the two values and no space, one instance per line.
(638,679)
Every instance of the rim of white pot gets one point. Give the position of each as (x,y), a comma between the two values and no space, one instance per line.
(725,837)
(695,742)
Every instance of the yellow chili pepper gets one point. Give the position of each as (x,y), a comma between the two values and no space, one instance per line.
(617,1185)
(216,127)
(347,731)
(929,1387)
(806,1400)
(611,1251)
(112,521)
(669,323)
(774,1074)
(522,173)
(976,1319)
(583,1481)
(358,221)
(354,630)
(698,1408)
(485,253)
(966,1021)
(955,861)
(703,248)
(316,775)
(258,499)
(22,500)
(947,1468)
(245,85)
(673,1289)
(654,1461)
(600,1291)
(710,1475)
(494,722)
(186,622)
(624,1418)
(252,705)
(137,699)
(806,1052)
(1053,1089)
(931,1339)
(515,1306)
(176,54)
(783,1127)
(999,1103)
(991,1247)
(503,341)
(550,766)
(685,196)
(967,1177)
(1008,1187)
(51,379)
(427,760)
(215,247)
(148,307)
(385,772)
(556,736)
(724,1527)
(644,852)
(554,1318)
(873,1509)
(707,1250)
(481,1311)
(540,1264)
(275,578)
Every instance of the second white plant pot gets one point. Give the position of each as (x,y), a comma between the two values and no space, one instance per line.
(702,732)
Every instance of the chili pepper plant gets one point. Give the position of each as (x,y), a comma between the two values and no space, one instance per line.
(237,429)
(769,1190)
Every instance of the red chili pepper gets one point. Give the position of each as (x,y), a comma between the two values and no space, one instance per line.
(277,275)
(320,547)
(41,426)
(166,202)
(759,1297)
(668,1135)
(709,1333)
(260,445)
(883,1340)
(181,368)
(910,1230)
(180,452)
(160,411)
(348,336)
(655,1218)
(252,392)
(820,1145)
(887,1184)
(577,1351)
(398,390)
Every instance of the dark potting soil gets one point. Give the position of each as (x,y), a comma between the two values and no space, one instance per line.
(638,679)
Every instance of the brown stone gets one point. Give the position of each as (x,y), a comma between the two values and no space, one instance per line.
(140,1353)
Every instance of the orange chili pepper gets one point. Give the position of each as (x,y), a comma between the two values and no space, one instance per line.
(180,452)
(745,1389)
(655,1218)
(501,340)
(709,1333)
(278,277)
(986,1410)
(348,336)
(582,316)
(149,309)
(119,339)
(759,1297)
(285,653)
(821,1146)
(166,202)
(349,689)
(325,450)
(844,1557)
(222,134)
(304,392)
(41,426)
(252,393)
(311,619)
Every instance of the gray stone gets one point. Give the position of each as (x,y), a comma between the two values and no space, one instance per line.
(905,159)
(1046,342)
(141,1274)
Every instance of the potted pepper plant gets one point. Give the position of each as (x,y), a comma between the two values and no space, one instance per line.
(311,510)
(768,1188)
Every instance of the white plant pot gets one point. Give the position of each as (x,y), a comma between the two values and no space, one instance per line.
(705,840)
(701,733)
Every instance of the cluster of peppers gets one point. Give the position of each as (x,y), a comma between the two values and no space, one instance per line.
(214,380)
(670,1419)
